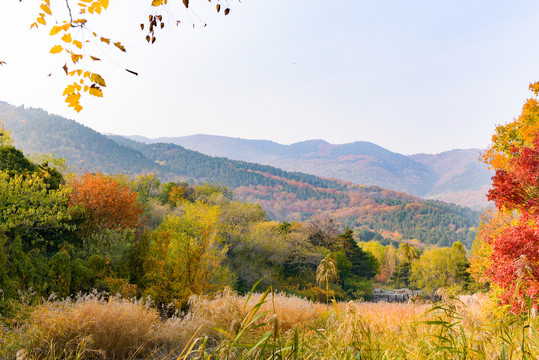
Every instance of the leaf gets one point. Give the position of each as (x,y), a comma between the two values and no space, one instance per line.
(104,3)
(56,49)
(119,46)
(75,57)
(55,30)
(67,38)
(95,91)
(65,68)
(77,44)
(218,7)
(186,3)
(96,78)
(227,11)
(41,20)
(94,58)
(105,40)
(157,2)
(46,9)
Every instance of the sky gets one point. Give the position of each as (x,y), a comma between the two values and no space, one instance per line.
(411,76)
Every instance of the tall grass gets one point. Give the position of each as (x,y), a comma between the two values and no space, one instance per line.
(270,326)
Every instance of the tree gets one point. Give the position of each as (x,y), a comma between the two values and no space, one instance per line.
(512,236)
(72,23)
(441,268)
(185,255)
(327,272)
(104,203)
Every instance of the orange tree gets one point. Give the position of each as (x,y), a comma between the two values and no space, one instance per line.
(104,203)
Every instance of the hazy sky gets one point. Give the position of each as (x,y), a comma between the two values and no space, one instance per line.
(411,76)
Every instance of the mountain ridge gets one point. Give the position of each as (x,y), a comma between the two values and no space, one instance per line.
(454,175)
(284,195)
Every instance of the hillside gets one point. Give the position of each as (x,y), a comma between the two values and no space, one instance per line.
(36,131)
(286,196)
(454,176)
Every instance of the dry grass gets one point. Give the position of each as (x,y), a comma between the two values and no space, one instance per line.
(92,327)
(112,329)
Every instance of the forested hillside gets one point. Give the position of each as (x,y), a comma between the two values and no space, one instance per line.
(285,196)
(454,176)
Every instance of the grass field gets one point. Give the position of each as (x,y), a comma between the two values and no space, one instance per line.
(267,326)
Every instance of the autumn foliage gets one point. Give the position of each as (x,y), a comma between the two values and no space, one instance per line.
(514,255)
(105,203)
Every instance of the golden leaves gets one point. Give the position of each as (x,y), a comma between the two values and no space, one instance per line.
(67,38)
(46,8)
(95,91)
(119,46)
(56,49)
(96,78)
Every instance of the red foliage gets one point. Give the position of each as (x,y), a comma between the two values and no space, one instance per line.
(515,265)
(105,203)
(515,256)
(517,188)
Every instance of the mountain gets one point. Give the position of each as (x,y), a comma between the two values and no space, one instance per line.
(455,176)
(462,178)
(35,131)
(285,195)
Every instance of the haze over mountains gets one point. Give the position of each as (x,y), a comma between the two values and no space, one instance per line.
(454,176)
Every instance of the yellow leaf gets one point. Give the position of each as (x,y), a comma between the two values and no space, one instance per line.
(104,3)
(86,87)
(79,71)
(67,38)
(48,2)
(77,44)
(75,58)
(119,46)
(56,49)
(41,19)
(96,78)
(33,25)
(157,2)
(87,73)
(77,107)
(55,30)
(46,9)
(70,89)
(105,40)
(95,91)
(94,58)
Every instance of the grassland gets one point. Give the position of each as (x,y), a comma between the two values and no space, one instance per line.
(266,326)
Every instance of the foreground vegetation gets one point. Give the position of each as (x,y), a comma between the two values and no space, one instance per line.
(267,326)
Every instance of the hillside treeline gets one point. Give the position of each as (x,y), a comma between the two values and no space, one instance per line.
(63,233)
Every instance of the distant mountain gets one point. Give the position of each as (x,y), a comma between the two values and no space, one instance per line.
(290,196)
(462,178)
(454,176)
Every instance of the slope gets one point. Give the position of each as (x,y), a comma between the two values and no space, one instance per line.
(286,196)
